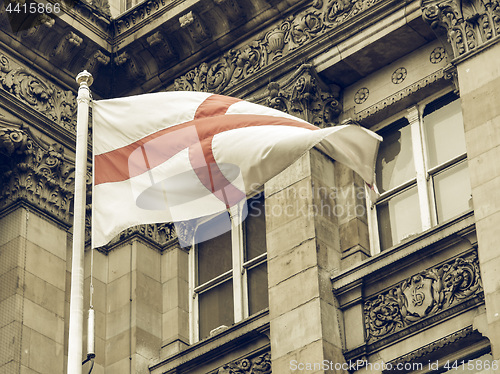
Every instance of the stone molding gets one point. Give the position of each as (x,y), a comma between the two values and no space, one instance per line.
(35,172)
(432,347)
(400,95)
(260,364)
(463,25)
(422,295)
(303,94)
(299,29)
(46,98)
(158,235)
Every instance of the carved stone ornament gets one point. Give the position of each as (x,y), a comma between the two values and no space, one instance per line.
(35,172)
(67,47)
(56,104)
(297,30)
(257,365)
(127,62)
(195,26)
(463,25)
(305,95)
(422,295)
(158,234)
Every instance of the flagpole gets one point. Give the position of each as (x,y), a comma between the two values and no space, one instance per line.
(75,340)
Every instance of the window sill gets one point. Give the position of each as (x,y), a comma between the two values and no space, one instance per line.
(461,225)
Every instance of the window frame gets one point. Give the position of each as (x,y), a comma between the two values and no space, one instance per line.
(238,274)
(424,176)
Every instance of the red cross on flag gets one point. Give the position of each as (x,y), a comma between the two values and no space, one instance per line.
(178,156)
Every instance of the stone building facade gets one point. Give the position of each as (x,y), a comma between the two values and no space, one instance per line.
(323,281)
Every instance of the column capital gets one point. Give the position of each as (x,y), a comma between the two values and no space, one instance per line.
(463,26)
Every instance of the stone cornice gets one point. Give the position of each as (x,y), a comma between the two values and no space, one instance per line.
(300,30)
(463,26)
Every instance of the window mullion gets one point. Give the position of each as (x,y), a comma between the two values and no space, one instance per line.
(414,118)
(237,251)
(193,296)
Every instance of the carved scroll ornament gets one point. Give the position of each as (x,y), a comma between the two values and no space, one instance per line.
(56,104)
(284,38)
(422,295)
(35,173)
(463,25)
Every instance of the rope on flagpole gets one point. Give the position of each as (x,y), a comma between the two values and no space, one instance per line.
(75,336)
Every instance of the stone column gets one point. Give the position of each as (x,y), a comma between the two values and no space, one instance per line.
(303,250)
(33,236)
(470,31)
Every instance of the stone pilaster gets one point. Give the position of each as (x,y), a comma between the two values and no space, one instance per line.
(303,250)
(472,30)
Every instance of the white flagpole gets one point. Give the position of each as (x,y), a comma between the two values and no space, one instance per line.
(75,340)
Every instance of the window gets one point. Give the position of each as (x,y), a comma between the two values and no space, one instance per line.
(422,173)
(229,281)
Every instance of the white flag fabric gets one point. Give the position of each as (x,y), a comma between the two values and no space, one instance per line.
(177,156)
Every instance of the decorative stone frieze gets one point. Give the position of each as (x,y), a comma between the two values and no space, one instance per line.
(141,12)
(295,31)
(463,25)
(422,295)
(257,365)
(195,26)
(305,95)
(56,104)
(34,172)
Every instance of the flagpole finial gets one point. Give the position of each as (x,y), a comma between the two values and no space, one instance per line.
(84,79)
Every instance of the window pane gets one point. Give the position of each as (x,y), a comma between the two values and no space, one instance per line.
(395,159)
(444,132)
(255,228)
(453,192)
(214,255)
(216,308)
(257,288)
(399,218)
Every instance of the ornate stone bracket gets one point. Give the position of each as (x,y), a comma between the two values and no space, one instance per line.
(422,295)
(128,63)
(95,61)
(305,95)
(67,48)
(36,173)
(56,104)
(164,51)
(463,25)
(232,10)
(195,26)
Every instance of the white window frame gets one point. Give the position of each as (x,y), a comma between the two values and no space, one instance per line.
(424,175)
(238,274)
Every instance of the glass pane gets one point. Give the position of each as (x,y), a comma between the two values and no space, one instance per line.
(255,228)
(481,365)
(214,255)
(399,218)
(444,133)
(395,159)
(453,192)
(257,288)
(216,308)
